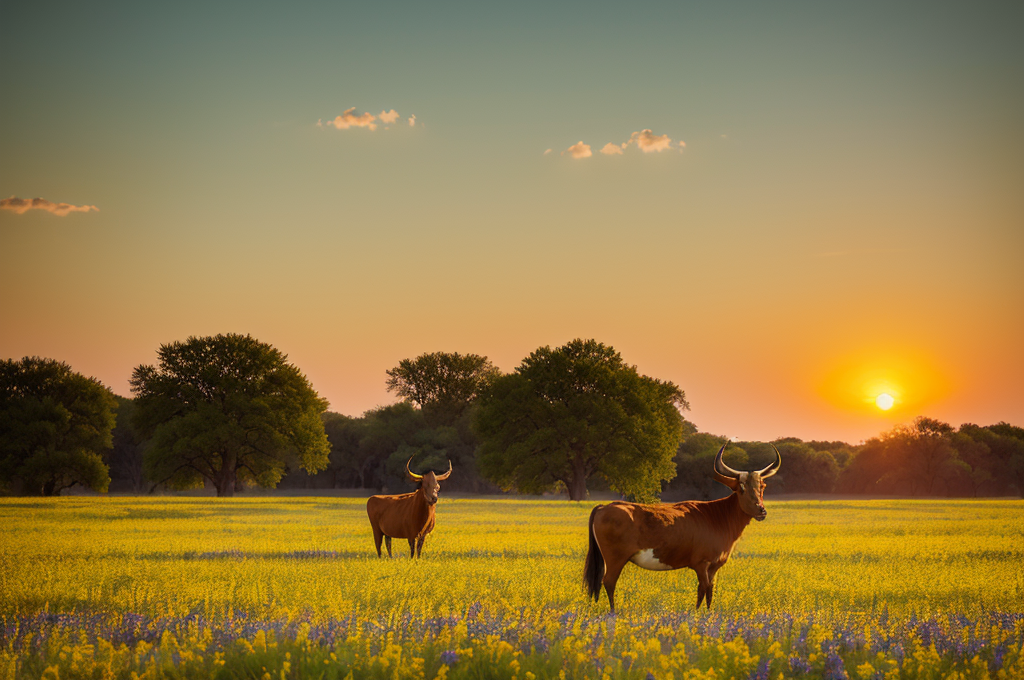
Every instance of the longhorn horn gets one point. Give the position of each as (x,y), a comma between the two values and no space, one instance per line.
(443,477)
(774,467)
(723,473)
(412,475)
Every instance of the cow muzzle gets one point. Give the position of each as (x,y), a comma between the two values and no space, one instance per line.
(761,515)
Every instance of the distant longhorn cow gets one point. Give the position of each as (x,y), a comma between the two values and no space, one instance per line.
(695,534)
(407,515)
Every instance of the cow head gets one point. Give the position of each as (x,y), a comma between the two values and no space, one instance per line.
(749,486)
(428,483)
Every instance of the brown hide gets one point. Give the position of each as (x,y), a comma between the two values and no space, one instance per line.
(698,535)
(407,515)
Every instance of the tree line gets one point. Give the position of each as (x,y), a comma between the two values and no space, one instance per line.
(230,412)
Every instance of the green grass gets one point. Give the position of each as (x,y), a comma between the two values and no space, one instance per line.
(511,565)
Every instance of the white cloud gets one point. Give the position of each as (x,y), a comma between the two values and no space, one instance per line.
(648,142)
(546,152)
(645,140)
(20,206)
(412,120)
(348,119)
(580,150)
(388,117)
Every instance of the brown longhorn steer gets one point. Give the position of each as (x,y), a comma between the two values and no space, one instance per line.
(695,534)
(408,515)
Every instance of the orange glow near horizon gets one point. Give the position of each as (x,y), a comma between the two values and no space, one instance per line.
(897,384)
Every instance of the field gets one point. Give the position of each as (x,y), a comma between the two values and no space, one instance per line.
(277,588)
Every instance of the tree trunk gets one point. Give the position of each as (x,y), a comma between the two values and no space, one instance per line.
(226,480)
(578,483)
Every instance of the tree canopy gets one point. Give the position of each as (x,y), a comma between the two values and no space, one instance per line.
(55,427)
(569,413)
(227,409)
(442,384)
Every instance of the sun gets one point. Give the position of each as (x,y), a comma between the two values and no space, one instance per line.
(884,401)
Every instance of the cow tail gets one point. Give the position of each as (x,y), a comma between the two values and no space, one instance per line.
(593,567)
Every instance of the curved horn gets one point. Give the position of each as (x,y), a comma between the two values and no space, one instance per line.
(412,475)
(774,467)
(720,466)
(723,473)
(443,477)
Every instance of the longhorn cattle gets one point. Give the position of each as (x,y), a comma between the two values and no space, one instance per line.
(699,535)
(407,515)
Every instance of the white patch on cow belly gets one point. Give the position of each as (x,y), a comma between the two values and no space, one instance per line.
(645,559)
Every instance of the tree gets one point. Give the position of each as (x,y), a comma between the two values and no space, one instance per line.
(909,459)
(55,426)
(442,384)
(928,461)
(126,460)
(805,469)
(694,460)
(569,413)
(345,466)
(229,410)
(1009,447)
(1002,457)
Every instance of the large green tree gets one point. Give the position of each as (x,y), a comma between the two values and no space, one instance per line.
(442,384)
(229,410)
(569,413)
(55,427)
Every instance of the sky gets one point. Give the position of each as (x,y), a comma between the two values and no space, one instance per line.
(786,210)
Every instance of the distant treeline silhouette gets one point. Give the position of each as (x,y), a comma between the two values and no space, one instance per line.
(229,412)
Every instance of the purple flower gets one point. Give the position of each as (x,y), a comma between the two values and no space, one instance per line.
(835,669)
(798,665)
(761,672)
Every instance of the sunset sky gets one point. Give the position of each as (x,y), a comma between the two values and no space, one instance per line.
(798,207)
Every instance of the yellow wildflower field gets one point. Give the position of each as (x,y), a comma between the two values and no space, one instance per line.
(292,587)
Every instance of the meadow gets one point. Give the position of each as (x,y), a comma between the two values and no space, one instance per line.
(292,587)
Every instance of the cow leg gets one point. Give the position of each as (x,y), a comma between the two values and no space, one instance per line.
(387,542)
(377,540)
(412,547)
(611,576)
(712,570)
(378,535)
(703,584)
(419,545)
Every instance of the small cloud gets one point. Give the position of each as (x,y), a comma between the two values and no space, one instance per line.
(648,142)
(610,149)
(546,152)
(682,145)
(20,206)
(388,117)
(348,119)
(580,150)
(412,120)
